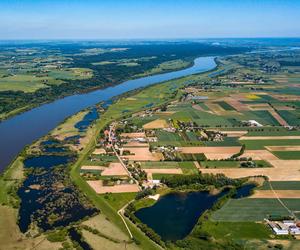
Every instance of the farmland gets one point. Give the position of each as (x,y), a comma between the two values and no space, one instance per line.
(213,129)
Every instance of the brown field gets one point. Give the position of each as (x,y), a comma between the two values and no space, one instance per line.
(99,151)
(259,106)
(163,171)
(100,168)
(247,138)
(123,188)
(142,154)
(217,156)
(283,170)
(159,123)
(208,150)
(259,155)
(292,194)
(133,135)
(283,148)
(114,168)
(136,144)
(212,153)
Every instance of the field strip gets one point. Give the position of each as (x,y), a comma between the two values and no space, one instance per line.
(249,138)
(163,171)
(91,167)
(218,150)
(260,154)
(283,148)
(159,123)
(293,194)
(281,121)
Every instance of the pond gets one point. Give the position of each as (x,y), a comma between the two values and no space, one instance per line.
(244,191)
(46,161)
(75,236)
(174,215)
(91,116)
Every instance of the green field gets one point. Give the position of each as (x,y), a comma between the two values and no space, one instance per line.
(227,141)
(260,144)
(237,230)
(253,209)
(187,167)
(226,106)
(220,164)
(281,185)
(287,155)
(117,201)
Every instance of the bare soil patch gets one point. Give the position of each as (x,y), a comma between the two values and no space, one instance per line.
(219,150)
(159,123)
(99,151)
(237,105)
(115,168)
(283,170)
(133,135)
(136,144)
(283,148)
(259,155)
(163,171)
(123,188)
(142,154)
(87,167)
(291,194)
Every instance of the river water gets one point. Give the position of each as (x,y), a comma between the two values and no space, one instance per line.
(23,129)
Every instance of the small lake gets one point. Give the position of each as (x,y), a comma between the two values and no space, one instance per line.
(174,215)
(244,191)
(29,126)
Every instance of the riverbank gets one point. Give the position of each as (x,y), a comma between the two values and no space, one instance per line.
(18,111)
(23,129)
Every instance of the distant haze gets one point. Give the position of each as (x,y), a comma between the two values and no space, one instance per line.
(150,19)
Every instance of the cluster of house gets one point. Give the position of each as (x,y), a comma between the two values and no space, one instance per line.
(284,227)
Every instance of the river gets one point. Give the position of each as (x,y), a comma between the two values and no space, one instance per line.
(23,129)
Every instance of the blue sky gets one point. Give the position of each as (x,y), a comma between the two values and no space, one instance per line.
(151,19)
